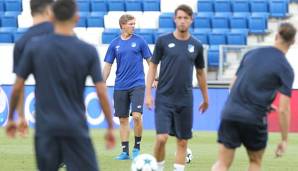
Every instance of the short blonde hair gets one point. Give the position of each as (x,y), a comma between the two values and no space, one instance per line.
(125,18)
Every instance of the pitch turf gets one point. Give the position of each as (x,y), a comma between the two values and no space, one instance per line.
(18,155)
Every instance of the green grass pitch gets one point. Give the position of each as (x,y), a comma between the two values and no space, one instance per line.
(18,155)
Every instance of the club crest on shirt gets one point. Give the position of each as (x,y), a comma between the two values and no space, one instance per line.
(171,45)
(133,44)
(191,48)
(117,47)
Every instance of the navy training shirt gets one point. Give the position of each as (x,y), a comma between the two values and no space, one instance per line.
(36,30)
(177,57)
(60,65)
(262,72)
(129,56)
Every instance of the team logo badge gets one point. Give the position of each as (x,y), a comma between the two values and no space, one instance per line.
(133,44)
(191,48)
(117,47)
(171,45)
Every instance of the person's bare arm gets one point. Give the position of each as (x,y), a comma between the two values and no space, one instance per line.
(11,126)
(150,79)
(284,119)
(101,91)
(106,71)
(201,77)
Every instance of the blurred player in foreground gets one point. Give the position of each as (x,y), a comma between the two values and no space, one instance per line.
(41,11)
(60,63)
(262,73)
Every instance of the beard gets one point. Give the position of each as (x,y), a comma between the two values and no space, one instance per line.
(182,29)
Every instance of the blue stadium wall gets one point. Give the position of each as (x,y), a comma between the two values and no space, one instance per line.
(95,117)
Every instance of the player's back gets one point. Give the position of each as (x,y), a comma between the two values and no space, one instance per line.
(262,73)
(36,30)
(60,65)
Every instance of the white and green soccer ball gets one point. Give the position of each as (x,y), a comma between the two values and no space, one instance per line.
(144,162)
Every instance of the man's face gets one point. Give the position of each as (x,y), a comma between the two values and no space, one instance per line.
(183,21)
(129,27)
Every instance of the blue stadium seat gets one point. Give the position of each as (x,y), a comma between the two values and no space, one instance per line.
(202,20)
(220,22)
(213,57)
(223,14)
(2,8)
(236,38)
(151,5)
(133,5)
(242,14)
(166,20)
(220,30)
(278,8)
(217,38)
(6,34)
(96,19)
(201,35)
(205,6)
(9,21)
(99,6)
(19,33)
(238,22)
(13,5)
(259,6)
(222,6)
(83,19)
(109,34)
(257,24)
(83,5)
(240,6)
(12,13)
(116,5)
(147,34)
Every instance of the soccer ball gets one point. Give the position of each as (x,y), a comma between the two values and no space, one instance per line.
(144,162)
(188,156)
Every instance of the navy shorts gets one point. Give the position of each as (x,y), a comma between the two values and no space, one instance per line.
(174,120)
(232,134)
(76,152)
(124,99)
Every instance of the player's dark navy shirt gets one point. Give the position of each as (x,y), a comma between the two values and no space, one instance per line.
(36,30)
(60,65)
(177,59)
(129,56)
(262,72)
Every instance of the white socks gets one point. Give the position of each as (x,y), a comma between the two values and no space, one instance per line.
(179,167)
(160,165)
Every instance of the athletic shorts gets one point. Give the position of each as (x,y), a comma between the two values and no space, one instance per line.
(174,120)
(124,99)
(232,134)
(76,153)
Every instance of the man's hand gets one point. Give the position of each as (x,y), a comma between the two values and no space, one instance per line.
(110,139)
(11,129)
(149,102)
(203,107)
(281,148)
(155,83)
(272,108)
(23,127)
